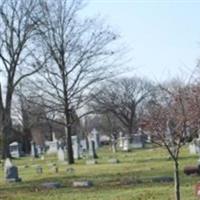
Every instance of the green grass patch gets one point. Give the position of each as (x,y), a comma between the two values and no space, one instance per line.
(128,180)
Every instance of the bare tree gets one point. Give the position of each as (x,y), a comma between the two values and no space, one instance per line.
(80,57)
(169,121)
(122,97)
(16,55)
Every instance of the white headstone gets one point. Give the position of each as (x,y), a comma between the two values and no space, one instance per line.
(76,147)
(121,141)
(126,144)
(83,144)
(15,149)
(61,155)
(53,147)
(54,137)
(95,137)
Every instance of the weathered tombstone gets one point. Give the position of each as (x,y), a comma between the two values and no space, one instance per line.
(83,148)
(12,174)
(39,150)
(39,170)
(84,184)
(61,155)
(121,141)
(137,141)
(15,150)
(34,152)
(114,142)
(95,138)
(92,151)
(126,144)
(52,145)
(11,171)
(149,139)
(75,145)
(192,149)
(83,144)
(194,146)
(104,139)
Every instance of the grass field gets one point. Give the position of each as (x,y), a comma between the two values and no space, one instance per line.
(128,180)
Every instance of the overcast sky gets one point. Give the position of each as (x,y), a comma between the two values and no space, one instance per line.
(163,35)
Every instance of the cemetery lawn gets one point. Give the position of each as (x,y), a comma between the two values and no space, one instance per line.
(128,180)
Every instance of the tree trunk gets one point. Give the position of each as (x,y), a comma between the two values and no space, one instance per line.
(69,138)
(176,180)
(6,131)
(7,121)
(69,146)
(26,141)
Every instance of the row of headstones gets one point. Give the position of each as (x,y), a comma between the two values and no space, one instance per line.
(37,150)
(79,150)
(11,171)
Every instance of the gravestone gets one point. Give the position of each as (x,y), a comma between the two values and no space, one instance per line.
(114,142)
(40,150)
(194,146)
(126,144)
(83,148)
(61,155)
(121,140)
(15,150)
(52,145)
(76,147)
(137,141)
(92,150)
(84,184)
(34,151)
(83,144)
(149,139)
(11,171)
(95,138)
